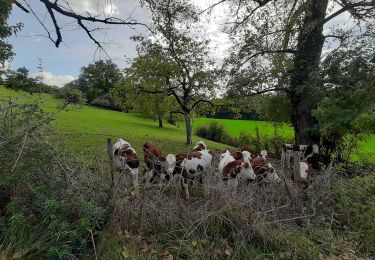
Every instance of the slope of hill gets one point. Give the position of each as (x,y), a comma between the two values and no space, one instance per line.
(87,128)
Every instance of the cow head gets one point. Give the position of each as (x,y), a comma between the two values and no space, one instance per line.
(264,154)
(246,155)
(227,153)
(126,160)
(246,170)
(272,175)
(200,146)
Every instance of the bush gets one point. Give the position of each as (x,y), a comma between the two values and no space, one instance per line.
(70,96)
(216,132)
(49,203)
(105,101)
(356,208)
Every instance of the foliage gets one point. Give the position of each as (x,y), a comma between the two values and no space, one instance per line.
(174,62)
(282,52)
(266,107)
(49,202)
(347,110)
(214,131)
(218,132)
(6,30)
(356,209)
(131,99)
(70,96)
(20,80)
(97,79)
(105,101)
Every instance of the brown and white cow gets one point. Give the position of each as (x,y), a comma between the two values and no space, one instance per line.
(264,170)
(254,153)
(308,152)
(200,146)
(232,169)
(190,165)
(126,160)
(155,162)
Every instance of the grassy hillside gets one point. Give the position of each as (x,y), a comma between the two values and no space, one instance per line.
(87,128)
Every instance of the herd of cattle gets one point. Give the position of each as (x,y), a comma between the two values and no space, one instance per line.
(247,164)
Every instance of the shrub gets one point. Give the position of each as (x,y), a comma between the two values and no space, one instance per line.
(216,132)
(70,96)
(356,208)
(49,203)
(105,101)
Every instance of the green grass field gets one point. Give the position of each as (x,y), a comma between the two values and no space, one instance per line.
(235,127)
(87,128)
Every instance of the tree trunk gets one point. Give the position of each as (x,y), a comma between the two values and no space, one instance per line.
(160,121)
(188,128)
(303,88)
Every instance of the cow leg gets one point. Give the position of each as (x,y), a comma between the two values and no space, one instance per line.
(288,157)
(134,174)
(184,183)
(149,176)
(283,159)
(163,180)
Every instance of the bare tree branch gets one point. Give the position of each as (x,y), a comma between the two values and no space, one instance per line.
(348,7)
(21,7)
(176,112)
(54,7)
(57,28)
(263,52)
(201,101)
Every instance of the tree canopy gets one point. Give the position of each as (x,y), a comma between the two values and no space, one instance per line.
(278,47)
(6,30)
(97,79)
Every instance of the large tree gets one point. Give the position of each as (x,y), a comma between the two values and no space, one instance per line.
(97,79)
(177,58)
(278,47)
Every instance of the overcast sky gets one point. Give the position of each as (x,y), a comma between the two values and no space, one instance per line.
(63,64)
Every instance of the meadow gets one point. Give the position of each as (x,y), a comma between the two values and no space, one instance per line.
(86,128)
(266,129)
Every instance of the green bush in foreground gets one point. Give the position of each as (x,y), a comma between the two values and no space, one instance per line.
(356,208)
(50,205)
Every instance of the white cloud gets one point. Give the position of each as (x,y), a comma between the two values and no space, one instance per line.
(96,7)
(51,79)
